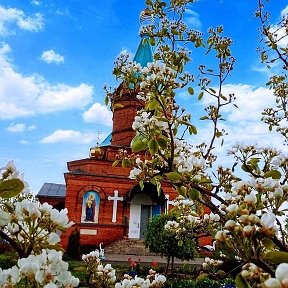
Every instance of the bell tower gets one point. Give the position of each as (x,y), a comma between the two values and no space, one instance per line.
(123,118)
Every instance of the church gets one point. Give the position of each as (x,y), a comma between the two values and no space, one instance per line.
(102,201)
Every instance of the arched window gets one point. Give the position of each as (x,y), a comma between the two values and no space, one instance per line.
(90,207)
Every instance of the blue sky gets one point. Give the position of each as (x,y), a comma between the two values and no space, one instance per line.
(56,56)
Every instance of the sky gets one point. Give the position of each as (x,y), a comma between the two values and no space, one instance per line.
(56,56)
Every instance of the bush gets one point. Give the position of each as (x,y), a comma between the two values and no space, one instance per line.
(208,283)
(73,247)
(8,260)
(159,240)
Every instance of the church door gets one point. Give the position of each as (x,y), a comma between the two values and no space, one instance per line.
(145,215)
(140,212)
(134,221)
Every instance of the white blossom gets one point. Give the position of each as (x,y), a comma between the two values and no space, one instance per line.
(268,221)
(134,173)
(53,238)
(5,218)
(281,277)
(250,199)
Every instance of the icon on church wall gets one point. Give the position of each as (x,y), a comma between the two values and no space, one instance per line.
(90,207)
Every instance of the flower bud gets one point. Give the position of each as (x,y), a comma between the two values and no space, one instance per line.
(272,283)
(278,193)
(230,224)
(5,218)
(221,236)
(281,272)
(245,274)
(248,231)
(244,219)
(250,199)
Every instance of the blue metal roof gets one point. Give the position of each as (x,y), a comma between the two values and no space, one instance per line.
(106,141)
(144,53)
(52,190)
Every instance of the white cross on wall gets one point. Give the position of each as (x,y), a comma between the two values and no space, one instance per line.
(115,198)
(168,202)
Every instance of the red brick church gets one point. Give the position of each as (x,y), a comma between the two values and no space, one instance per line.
(102,201)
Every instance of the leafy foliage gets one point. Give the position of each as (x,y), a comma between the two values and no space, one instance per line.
(159,240)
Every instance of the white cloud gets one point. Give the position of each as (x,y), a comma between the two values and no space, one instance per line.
(284,12)
(30,95)
(71,136)
(10,17)
(280,32)
(244,125)
(35,2)
(50,56)
(280,35)
(259,67)
(193,20)
(251,102)
(20,127)
(24,142)
(98,113)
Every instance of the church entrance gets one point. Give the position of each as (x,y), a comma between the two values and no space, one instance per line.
(144,204)
(145,215)
(140,212)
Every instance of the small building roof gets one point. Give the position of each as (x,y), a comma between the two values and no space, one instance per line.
(52,190)
(106,141)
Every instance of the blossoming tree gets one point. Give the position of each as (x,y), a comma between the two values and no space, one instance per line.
(32,229)
(248,208)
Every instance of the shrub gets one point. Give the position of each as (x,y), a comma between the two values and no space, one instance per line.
(159,240)
(208,283)
(73,247)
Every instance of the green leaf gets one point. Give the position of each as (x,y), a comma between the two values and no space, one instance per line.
(152,41)
(192,130)
(193,194)
(162,142)
(246,168)
(11,188)
(153,146)
(212,90)
(158,188)
(173,176)
(126,163)
(106,101)
(180,243)
(115,163)
(224,97)
(268,243)
(275,174)
(218,134)
(202,277)
(80,269)
(117,106)
(200,96)
(241,282)
(152,105)
(141,184)
(181,190)
(175,130)
(254,161)
(204,118)
(191,91)
(138,146)
(276,257)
